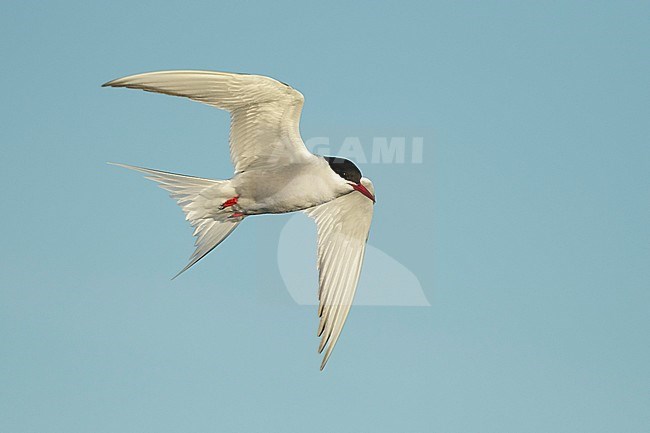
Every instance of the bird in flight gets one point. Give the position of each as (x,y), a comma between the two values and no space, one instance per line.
(274,173)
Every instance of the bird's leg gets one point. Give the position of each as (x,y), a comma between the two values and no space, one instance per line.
(230,202)
(236,215)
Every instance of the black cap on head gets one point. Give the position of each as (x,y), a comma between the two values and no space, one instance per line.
(344,168)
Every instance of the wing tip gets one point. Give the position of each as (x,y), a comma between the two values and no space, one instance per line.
(122,81)
(178,273)
(324,362)
(112,83)
(127,166)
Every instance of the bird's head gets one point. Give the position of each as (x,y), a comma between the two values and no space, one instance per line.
(351,174)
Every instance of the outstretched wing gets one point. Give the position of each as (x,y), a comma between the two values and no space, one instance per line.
(343,226)
(265,114)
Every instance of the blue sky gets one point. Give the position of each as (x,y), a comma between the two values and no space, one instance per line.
(526,223)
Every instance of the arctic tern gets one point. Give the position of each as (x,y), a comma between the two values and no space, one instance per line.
(274,173)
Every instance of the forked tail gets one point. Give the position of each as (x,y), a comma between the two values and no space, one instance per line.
(201,201)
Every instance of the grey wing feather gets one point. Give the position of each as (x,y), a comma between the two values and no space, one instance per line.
(343,225)
(265,114)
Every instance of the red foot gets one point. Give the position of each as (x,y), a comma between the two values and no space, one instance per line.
(236,215)
(230,202)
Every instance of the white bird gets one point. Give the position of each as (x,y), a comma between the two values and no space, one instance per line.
(274,173)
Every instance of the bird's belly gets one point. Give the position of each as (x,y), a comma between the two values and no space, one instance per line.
(262,194)
(280,201)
